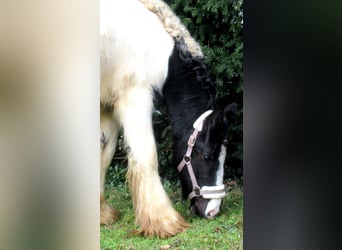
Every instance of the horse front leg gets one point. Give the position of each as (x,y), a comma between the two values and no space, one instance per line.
(153,209)
(109,134)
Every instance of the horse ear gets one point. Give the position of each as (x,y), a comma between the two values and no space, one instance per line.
(230,108)
(229,111)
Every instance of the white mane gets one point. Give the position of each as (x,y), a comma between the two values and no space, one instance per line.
(173,25)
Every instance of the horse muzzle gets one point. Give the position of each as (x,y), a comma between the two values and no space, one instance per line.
(206,208)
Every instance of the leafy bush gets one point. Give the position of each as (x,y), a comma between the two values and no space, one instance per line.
(116,174)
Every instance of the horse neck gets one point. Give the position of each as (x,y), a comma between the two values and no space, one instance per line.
(185,97)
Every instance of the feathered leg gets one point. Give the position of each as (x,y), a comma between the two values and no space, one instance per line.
(153,209)
(109,135)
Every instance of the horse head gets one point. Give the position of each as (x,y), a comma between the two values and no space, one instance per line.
(201,168)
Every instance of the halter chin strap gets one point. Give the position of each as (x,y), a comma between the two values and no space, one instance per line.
(207,192)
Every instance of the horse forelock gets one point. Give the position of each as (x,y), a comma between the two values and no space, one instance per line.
(213,121)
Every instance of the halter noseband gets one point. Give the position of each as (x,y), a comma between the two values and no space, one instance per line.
(207,192)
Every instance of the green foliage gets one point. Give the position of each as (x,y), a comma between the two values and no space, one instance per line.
(116,174)
(218,26)
(162,131)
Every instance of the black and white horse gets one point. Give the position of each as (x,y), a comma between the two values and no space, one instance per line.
(145,48)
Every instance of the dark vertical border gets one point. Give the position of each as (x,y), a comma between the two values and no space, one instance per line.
(292,124)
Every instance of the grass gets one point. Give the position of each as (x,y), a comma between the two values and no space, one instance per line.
(222,232)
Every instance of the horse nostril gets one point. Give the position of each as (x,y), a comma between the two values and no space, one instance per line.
(212,213)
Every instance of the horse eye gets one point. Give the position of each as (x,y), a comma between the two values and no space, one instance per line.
(208,157)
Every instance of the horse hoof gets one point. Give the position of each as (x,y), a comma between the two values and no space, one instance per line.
(163,227)
(108,214)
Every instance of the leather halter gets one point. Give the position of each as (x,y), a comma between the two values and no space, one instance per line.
(207,192)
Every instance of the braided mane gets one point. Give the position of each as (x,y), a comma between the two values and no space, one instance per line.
(189,50)
(174,26)
(197,65)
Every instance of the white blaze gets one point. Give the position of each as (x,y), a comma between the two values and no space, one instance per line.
(214,204)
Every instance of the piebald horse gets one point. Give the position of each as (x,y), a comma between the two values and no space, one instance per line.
(144,48)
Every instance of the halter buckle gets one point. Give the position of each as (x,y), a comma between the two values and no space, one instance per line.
(197,191)
(187,159)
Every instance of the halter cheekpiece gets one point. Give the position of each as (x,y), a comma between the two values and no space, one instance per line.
(207,192)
